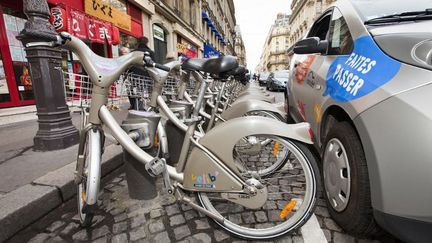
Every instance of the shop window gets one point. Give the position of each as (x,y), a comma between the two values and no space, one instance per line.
(14,24)
(135,13)
(4,90)
(128,41)
(192,12)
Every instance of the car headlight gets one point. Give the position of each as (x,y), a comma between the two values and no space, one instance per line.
(412,49)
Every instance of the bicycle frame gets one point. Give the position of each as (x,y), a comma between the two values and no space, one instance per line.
(213,150)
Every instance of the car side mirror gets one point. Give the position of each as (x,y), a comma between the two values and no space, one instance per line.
(311,45)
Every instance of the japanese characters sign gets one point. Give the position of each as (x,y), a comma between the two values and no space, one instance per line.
(59,19)
(78,24)
(98,30)
(108,13)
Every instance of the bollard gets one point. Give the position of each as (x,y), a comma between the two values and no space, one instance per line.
(55,130)
(141,185)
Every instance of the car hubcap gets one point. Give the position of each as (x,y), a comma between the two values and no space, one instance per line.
(337,179)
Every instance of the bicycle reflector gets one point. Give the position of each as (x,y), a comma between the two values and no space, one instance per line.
(275,148)
(287,209)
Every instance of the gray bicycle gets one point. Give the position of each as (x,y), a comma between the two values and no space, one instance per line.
(210,171)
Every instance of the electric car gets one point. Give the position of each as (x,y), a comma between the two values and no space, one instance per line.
(362,77)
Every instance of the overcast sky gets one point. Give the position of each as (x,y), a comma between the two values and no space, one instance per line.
(255,18)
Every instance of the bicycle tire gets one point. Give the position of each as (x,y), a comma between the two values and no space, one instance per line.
(253,229)
(89,188)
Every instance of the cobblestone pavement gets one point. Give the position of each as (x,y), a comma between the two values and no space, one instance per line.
(122,219)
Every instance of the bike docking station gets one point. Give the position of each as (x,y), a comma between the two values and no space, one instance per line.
(141,126)
(175,135)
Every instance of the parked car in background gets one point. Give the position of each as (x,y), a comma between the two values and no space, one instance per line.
(263,76)
(362,77)
(277,80)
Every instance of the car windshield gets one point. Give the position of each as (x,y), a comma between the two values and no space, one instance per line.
(281,75)
(264,75)
(370,9)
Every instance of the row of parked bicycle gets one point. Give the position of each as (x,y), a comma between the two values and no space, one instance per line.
(237,150)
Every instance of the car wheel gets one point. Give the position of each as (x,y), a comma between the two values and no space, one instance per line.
(346,181)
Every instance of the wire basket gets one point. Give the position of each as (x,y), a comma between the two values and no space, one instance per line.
(191,85)
(78,89)
(138,86)
(170,86)
(141,86)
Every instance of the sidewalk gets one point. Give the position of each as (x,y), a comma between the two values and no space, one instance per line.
(34,183)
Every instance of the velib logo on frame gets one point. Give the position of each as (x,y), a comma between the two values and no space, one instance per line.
(205,180)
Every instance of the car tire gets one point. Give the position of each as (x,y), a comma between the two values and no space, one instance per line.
(355,215)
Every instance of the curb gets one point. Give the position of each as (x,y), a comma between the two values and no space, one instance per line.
(25,205)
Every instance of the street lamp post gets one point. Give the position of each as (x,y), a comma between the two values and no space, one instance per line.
(55,125)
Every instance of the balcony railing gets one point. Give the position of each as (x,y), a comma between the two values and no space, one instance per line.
(276,62)
(279,33)
(278,52)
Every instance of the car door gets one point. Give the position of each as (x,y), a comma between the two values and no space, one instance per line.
(306,70)
(340,43)
(311,91)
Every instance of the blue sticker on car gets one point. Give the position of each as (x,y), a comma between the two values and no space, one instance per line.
(365,70)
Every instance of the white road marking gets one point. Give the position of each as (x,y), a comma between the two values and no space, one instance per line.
(312,232)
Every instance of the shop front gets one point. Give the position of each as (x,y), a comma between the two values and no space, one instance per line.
(185,49)
(210,51)
(104,25)
(16,87)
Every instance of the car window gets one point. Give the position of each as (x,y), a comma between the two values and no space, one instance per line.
(281,75)
(340,40)
(321,27)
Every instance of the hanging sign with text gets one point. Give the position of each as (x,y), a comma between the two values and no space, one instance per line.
(78,24)
(108,13)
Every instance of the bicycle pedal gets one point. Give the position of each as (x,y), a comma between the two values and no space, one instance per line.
(155,167)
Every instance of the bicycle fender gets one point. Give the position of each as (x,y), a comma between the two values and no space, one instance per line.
(222,138)
(241,108)
(270,99)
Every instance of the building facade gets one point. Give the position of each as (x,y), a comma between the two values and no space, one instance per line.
(274,55)
(175,28)
(239,47)
(304,13)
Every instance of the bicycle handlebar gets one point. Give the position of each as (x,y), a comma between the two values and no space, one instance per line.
(150,63)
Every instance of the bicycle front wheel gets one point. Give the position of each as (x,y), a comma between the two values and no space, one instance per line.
(88,188)
(292,190)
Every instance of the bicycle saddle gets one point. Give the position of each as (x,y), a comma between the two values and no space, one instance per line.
(194,64)
(220,67)
(239,71)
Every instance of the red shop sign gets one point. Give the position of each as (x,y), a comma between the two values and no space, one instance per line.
(191,53)
(98,30)
(59,19)
(78,24)
(108,32)
(115,35)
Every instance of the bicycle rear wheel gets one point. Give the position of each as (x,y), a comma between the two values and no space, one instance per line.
(88,188)
(292,190)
